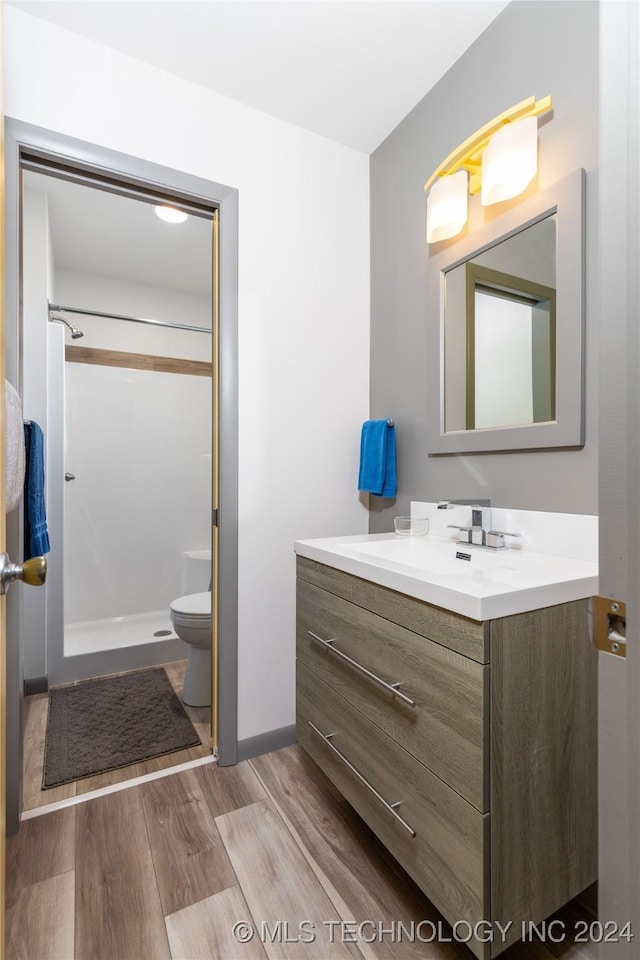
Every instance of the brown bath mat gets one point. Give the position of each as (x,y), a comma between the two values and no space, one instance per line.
(103,724)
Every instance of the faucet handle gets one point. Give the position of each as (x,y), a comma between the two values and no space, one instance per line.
(464,533)
(495,538)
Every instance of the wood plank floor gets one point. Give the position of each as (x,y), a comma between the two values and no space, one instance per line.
(168,868)
(34,738)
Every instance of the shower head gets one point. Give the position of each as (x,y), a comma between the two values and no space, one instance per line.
(75,333)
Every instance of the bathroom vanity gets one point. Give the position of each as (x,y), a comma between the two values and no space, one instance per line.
(468,745)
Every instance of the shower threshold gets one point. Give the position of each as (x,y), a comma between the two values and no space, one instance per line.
(113,633)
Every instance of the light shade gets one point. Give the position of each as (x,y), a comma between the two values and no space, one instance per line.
(171,214)
(447,206)
(510,161)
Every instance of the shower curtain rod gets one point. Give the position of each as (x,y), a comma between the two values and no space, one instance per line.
(118,316)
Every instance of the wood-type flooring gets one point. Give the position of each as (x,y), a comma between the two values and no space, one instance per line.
(191,865)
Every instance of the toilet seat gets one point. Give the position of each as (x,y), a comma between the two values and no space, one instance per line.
(195,606)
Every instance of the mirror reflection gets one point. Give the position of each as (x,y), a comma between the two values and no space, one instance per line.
(500,333)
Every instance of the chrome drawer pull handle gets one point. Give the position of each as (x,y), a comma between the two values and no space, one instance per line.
(391,807)
(391,687)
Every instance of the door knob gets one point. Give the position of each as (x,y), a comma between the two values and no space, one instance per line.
(69,476)
(32,572)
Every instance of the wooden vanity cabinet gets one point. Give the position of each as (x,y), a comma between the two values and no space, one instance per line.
(469,748)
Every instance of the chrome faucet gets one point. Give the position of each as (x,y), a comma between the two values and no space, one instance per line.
(479,534)
(480,520)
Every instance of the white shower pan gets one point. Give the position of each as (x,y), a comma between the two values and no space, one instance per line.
(113,633)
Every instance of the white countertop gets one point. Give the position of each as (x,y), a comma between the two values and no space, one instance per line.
(490,584)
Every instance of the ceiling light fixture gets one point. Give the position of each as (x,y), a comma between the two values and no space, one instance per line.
(171,214)
(500,159)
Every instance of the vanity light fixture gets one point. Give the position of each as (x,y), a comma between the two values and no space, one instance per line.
(500,159)
(510,161)
(171,214)
(447,206)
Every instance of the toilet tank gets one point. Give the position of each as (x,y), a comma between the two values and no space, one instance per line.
(196,569)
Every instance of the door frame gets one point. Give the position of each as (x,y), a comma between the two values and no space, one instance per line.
(3,535)
(22,138)
(619,470)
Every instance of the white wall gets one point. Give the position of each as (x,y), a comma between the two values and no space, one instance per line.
(76,288)
(303,307)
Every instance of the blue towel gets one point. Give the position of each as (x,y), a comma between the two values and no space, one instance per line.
(36,535)
(378,458)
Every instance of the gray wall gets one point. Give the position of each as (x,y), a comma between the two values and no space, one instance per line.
(532,48)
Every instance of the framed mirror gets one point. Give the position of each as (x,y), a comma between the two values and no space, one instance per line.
(506,330)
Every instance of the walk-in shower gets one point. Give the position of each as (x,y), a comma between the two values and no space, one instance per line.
(137,429)
(125,402)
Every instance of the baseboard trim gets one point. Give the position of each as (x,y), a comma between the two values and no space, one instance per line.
(266,742)
(36,685)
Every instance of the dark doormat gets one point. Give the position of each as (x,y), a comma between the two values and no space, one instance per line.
(100,725)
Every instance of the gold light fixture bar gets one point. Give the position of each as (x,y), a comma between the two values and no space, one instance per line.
(468,156)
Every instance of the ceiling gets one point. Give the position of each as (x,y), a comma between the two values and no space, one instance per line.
(349,70)
(109,235)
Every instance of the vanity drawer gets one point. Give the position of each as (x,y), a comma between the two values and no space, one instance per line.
(445,725)
(446,857)
(468,637)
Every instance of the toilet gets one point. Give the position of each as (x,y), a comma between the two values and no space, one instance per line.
(191,619)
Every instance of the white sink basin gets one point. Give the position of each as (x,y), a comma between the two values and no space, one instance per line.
(487,585)
(435,557)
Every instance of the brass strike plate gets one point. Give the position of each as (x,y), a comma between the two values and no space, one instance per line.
(610,625)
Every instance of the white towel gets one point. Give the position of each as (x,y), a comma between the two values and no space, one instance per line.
(14,449)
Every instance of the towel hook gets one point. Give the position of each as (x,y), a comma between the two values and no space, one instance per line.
(390,422)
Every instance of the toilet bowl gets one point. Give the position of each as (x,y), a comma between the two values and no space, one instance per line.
(191,619)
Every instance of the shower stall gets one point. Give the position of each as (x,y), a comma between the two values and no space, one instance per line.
(132,492)
(117,368)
